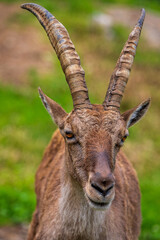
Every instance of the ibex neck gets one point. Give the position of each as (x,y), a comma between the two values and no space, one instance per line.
(78,220)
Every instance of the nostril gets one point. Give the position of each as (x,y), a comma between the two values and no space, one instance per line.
(108,190)
(97,188)
(101,191)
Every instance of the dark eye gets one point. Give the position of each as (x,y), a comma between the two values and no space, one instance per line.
(69,135)
(123,139)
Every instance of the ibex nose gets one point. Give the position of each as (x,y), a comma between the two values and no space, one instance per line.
(101,184)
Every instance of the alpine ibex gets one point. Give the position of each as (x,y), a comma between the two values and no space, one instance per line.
(86,188)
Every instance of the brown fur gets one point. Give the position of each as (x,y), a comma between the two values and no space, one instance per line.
(121,221)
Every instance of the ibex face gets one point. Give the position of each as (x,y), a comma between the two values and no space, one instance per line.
(93,134)
(93,137)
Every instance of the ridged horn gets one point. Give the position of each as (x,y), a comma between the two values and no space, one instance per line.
(122,70)
(66,53)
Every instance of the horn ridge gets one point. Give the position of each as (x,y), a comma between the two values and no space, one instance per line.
(122,70)
(66,54)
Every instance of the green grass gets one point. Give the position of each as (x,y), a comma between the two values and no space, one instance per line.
(20,150)
(150,189)
(26,128)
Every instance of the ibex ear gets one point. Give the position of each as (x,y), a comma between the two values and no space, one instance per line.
(135,114)
(54,109)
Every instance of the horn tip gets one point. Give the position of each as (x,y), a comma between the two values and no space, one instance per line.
(32,7)
(141,20)
(39,11)
(26,5)
(148,101)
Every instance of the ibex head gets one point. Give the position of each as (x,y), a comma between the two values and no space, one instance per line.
(93,134)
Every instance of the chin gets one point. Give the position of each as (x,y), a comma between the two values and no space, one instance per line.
(99,205)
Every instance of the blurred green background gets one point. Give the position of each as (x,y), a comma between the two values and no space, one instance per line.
(27,61)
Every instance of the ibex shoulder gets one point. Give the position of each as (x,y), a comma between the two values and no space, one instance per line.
(52,158)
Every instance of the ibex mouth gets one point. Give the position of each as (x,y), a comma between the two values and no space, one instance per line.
(98,205)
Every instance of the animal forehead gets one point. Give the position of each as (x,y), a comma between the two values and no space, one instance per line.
(95,118)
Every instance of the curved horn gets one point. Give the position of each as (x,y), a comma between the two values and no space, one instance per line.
(122,70)
(66,53)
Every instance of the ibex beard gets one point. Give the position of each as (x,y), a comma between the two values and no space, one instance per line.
(83,169)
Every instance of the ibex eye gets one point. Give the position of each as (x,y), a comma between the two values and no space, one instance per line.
(124,138)
(69,135)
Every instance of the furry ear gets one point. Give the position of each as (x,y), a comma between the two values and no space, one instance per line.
(54,109)
(135,114)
